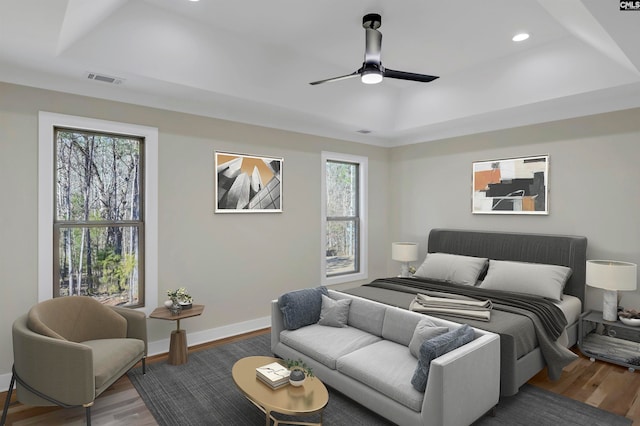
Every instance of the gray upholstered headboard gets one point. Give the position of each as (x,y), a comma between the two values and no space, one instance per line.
(565,250)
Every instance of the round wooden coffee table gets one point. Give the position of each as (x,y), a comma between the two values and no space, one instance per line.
(305,400)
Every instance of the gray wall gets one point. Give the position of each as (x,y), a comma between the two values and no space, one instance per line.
(594,185)
(234,264)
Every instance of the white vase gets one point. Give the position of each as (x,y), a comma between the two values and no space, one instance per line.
(168,303)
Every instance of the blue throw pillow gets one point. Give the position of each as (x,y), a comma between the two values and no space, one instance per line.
(433,348)
(301,307)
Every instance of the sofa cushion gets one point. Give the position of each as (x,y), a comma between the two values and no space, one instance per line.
(113,357)
(425,330)
(438,346)
(386,367)
(334,313)
(399,324)
(326,344)
(301,307)
(364,314)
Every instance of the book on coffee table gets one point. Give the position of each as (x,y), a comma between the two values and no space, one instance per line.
(273,374)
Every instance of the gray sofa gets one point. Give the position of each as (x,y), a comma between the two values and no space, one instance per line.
(369,361)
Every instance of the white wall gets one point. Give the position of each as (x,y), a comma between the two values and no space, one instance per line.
(594,185)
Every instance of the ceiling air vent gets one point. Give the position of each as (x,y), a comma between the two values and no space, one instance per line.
(104,78)
(364,131)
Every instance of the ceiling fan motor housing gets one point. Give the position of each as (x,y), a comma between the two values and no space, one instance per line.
(372,20)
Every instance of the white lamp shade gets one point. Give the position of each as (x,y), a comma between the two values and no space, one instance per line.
(611,275)
(404,252)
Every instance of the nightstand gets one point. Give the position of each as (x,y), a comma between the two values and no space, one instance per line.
(610,341)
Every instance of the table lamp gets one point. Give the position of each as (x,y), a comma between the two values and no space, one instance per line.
(405,253)
(611,276)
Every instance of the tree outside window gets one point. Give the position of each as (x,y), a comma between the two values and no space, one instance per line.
(342,242)
(344,218)
(98,226)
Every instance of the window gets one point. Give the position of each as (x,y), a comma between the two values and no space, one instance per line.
(344,230)
(98,227)
(97,210)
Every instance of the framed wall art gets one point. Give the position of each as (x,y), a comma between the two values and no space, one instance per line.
(248,183)
(511,186)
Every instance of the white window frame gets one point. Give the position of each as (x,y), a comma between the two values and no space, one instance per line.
(363,177)
(47,122)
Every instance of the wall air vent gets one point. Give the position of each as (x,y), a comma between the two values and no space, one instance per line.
(104,78)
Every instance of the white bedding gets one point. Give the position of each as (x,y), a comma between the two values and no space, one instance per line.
(571,307)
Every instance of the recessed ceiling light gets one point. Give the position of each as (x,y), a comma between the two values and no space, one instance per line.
(520,37)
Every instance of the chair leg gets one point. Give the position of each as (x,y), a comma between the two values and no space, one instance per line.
(87,410)
(6,402)
(144,365)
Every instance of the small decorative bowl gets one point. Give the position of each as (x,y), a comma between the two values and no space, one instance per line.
(634,322)
(184,305)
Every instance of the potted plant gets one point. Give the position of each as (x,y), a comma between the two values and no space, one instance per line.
(299,371)
(179,299)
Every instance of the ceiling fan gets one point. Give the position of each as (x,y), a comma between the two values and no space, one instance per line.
(372,71)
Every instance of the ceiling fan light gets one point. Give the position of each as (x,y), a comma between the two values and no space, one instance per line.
(371,77)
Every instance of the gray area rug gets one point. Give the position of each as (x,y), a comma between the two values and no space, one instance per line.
(202,392)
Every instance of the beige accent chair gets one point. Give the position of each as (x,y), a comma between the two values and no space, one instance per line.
(69,350)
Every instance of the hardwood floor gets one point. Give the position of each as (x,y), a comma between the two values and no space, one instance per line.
(607,386)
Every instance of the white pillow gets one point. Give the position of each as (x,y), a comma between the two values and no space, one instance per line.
(334,313)
(452,268)
(536,279)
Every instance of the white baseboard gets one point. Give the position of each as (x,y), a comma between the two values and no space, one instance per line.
(196,338)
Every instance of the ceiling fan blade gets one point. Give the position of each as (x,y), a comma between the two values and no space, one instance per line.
(342,77)
(403,75)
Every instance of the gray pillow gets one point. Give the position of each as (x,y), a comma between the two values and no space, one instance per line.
(425,330)
(438,346)
(301,307)
(535,279)
(452,268)
(334,313)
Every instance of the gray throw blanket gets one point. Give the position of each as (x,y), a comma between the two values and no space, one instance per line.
(548,320)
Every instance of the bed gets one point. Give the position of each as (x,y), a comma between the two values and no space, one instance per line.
(524,348)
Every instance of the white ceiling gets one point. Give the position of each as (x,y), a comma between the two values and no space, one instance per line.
(251,60)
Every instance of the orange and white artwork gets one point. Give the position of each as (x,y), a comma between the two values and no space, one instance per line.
(247,183)
(511,186)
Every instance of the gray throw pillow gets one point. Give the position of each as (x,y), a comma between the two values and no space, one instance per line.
(438,346)
(425,330)
(334,313)
(301,307)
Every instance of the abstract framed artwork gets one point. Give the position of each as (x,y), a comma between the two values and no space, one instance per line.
(511,186)
(248,183)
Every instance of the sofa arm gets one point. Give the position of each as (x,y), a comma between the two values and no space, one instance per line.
(60,369)
(277,324)
(136,324)
(464,383)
